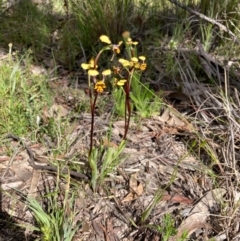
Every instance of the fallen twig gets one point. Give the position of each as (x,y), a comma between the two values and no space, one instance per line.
(39,167)
(210,20)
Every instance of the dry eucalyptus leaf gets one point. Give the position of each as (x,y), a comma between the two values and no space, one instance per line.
(175,121)
(80,201)
(136,189)
(56,111)
(165,116)
(177,199)
(34,183)
(22,168)
(198,215)
(179,96)
(7,186)
(85,227)
(38,70)
(108,143)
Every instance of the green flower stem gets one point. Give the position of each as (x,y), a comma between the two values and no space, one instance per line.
(98,55)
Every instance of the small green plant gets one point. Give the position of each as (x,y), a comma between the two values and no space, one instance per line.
(110,159)
(144,100)
(167,227)
(118,96)
(56,223)
(183,237)
(207,36)
(122,78)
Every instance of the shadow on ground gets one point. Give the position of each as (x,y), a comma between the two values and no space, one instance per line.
(9,229)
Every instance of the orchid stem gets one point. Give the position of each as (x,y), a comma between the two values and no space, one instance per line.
(92,104)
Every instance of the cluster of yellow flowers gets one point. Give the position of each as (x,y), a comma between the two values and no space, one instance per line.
(99,85)
(134,62)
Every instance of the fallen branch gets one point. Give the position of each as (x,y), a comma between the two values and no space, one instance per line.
(39,167)
(210,20)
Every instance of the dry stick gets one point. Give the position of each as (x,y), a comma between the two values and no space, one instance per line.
(210,20)
(39,167)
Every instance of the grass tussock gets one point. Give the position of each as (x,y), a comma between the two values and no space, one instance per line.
(23,96)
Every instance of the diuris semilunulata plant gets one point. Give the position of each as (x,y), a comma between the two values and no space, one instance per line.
(122,77)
